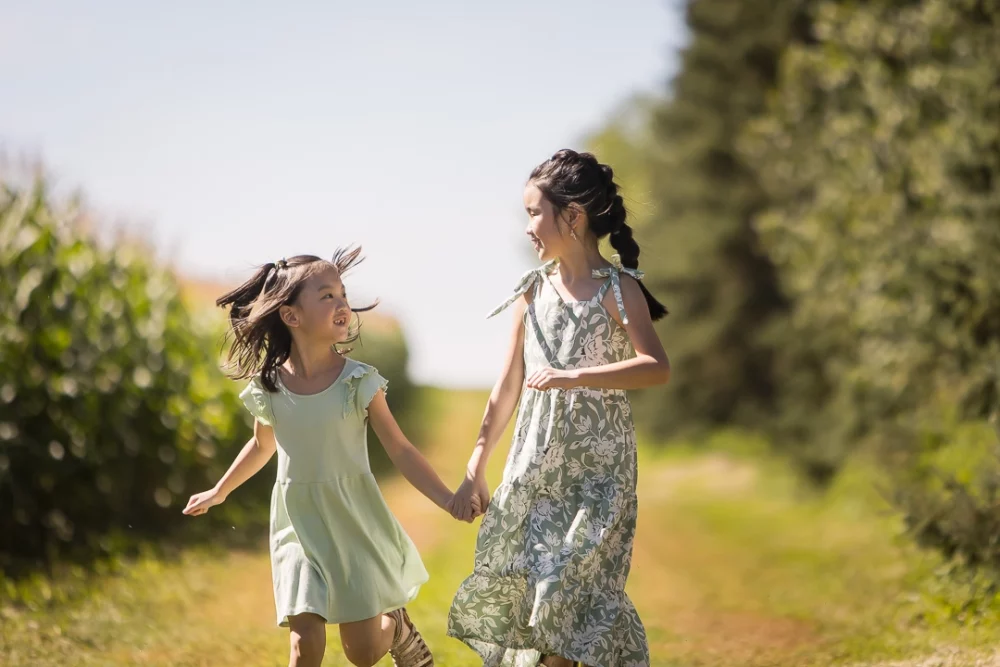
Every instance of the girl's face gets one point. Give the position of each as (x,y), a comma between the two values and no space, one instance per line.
(321,311)
(545,228)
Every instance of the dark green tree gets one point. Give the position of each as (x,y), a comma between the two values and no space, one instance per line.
(880,155)
(700,249)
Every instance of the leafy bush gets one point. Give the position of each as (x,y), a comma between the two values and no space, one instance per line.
(695,198)
(112,407)
(880,153)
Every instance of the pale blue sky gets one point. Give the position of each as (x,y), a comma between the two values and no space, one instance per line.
(235,133)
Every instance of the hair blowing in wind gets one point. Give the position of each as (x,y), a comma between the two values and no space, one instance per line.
(261,342)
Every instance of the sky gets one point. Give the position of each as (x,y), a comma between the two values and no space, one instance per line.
(235,133)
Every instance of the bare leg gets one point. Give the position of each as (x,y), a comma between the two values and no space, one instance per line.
(365,642)
(556,661)
(307,633)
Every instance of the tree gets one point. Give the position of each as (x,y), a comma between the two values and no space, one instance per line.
(880,154)
(700,249)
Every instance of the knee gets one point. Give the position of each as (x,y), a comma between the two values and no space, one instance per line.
(308,647)
(362,654)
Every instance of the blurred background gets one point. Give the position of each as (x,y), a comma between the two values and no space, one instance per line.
(814,186)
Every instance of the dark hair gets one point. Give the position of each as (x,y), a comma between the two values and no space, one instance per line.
(261,341)
(569,178)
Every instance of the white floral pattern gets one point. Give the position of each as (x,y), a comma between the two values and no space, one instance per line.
(555,546)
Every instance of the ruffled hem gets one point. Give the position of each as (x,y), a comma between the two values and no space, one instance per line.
(518,621)
(353,617)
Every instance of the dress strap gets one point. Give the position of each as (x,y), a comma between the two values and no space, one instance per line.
(603,290)
(613,274)
(530,280)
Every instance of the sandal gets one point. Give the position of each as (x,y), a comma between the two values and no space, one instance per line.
(413,651)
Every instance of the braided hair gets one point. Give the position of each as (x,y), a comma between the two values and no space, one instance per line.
(569,177)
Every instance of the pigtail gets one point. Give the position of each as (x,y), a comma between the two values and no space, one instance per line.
(259,340)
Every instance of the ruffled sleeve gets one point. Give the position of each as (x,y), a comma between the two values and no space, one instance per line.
(362,385)
(258,401)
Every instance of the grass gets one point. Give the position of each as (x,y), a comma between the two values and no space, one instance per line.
(735,565)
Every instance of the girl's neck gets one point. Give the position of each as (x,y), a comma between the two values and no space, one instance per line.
(579,262)
(311,359)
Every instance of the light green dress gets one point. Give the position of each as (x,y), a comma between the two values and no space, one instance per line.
(555,545)
(336,549)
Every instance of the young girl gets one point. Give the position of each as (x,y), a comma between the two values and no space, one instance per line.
(555,545)
(337,553)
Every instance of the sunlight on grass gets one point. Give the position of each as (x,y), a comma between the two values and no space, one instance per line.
(735,565)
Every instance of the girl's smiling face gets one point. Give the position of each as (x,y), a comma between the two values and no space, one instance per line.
(544,225)
(321,311)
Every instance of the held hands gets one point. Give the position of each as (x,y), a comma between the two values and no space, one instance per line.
(550,378)
(470,500)
(202,502)
(476,508)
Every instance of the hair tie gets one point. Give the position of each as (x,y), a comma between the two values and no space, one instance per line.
(281,263)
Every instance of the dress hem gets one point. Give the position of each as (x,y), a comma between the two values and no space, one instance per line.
(468,638)
(337,620)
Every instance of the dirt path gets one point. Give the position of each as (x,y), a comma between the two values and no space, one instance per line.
(668,563)
(670,560)
(704,592)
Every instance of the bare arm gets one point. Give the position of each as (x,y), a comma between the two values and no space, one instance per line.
(254,455)
(499,409)
(649,367)
(407,458)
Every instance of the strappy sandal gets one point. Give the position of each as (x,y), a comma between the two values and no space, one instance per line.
(413,651)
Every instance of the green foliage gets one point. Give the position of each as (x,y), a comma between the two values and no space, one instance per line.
(623,143)
(946,483)
(880,154)
(826,232)
(699,248)
(880,150)
(112,408)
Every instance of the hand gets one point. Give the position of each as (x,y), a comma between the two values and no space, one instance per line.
(474,503)
(202,502)
(471,499)
(550,378)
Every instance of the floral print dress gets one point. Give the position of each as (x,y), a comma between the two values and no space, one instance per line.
(555,545)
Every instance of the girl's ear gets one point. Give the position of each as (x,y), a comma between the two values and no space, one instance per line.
(289,316)
(574,216)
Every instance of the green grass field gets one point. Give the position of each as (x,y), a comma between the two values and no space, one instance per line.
(734,565)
